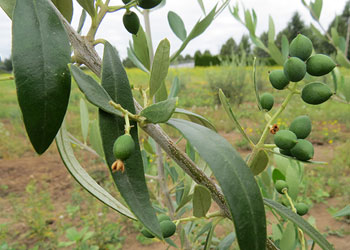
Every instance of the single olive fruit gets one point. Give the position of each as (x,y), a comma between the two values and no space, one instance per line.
(303,150)
(285,139)
(148,4)
(301,47)
(280,185)
(316,93)
(267,101)
(285,152)
(126,1)
(294,69)
(131,22)
(123,147)
(319,65)
(301,208)
(301,126)
(163,217)
(146,233)
(168,228)
(278,79)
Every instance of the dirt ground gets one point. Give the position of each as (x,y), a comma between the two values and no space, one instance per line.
(16,174)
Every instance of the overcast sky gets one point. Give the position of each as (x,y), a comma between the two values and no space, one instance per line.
(222,28)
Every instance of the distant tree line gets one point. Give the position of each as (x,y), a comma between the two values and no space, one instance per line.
(6,65)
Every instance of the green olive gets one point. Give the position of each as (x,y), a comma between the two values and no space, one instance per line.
(301,126)
(163,217)
(123,147)
(294,69)
(281,185)
(278,79)
(285,139)
(168,228)
(301,47)
(316,93)
(319,65)
(131,22)
(301,208)
(146,233)
(148,4)
(303,150)
(267,101)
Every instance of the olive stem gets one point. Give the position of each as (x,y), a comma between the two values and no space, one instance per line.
(127,124)
(96,20)
(193,218)
(119,7)
(140,119)
(269,146)
(99,41)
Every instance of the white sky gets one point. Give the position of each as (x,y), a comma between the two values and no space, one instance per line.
(222,28)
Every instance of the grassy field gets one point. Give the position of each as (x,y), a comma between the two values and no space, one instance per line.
(29,210)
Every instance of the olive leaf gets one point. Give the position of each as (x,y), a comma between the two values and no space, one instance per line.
(160,112)
(84,119)
(175,88)
(8,6)
(89,6)
(65,7)
(41,74)
(177,25)
(196,118)
(260,162)
(288,237)
(201,201)
(140,48)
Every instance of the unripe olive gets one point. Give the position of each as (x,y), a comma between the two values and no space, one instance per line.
(168,228)
(148,4)
(267,101)
(303,150)
(285,139)
(146,233)
(280,185)
(278,79)
(301,47)
(294,69)
(316,93)
(301,126)
(123,147)
(285,152)
(126,1)
(163,217)
(131,22)
(301,208)
(319,65)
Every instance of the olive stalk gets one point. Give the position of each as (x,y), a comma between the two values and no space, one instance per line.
(140,119)
(193,218)
(96,20)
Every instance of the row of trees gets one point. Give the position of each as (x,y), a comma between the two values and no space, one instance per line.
(6,65)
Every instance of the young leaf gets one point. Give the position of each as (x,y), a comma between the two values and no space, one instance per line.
(175,88)
(89,6)
(200,2)
(84,119)
(136,61)
(41,73)
(177,25)
(292,180)
(95,138)
(288,237)
(342,59)
(316,8)
(81,21)
(256,89)
(271,34)
(249,22)
(93,91)
(160,66)
(160,112)
(300,222)
(162,93)
(83,178)
(131,184)
(285,47)
(235,179)
(201,201)
(232,116)
(8,6)
(65,7)
(196,118)
(140,48)
(275,53)
(260,162)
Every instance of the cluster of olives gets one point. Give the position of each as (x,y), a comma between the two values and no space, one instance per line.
(295,68)
(167,227)
(281,186)
(292,142)
(123,147)
(130,19)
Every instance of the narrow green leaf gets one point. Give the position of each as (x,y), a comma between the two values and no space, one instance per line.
(196,118)
(318,34)
(190,151)
(160,66)
(335,36)
(89,6)
(257,42)
(249,22)
(177,25)
(162,93)
(65,7)
(186,196)
(201,201)
(8,6)
(226,243)
(342,59)
(81,21)
(275,53)
(131,184)
(256,89)
(140,48)
(205,228)
(201,4)
(171,242)
(271,34)
(83,178)
(260,162)
(41,74)
(237,182)
(285,48)
(136,61)
(209,238)
(300,222)
(160,112)
(342,44)
(292,179)
(344,212)
(197,30)
(316,8)
(175,88)
(231,115)
(93,91)
(84,119)
(288,237)
(95,138)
